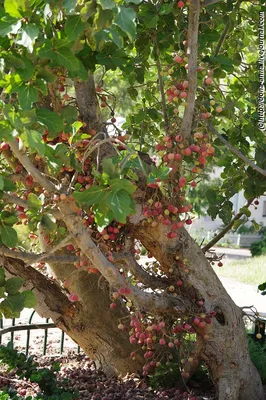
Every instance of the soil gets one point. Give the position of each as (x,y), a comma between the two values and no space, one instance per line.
(80,375)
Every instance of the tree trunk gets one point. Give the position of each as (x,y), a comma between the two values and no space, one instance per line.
(224,349)
(89,322)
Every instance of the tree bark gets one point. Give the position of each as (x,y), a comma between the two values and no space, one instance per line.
(225,351)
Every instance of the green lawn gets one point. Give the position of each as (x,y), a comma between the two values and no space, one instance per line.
(251,270)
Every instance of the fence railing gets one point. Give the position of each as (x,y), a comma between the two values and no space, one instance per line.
(14,327)
(239,240)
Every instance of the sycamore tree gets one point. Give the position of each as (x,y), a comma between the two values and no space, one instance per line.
(92,194)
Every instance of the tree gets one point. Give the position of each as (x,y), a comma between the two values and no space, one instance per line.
(91,199)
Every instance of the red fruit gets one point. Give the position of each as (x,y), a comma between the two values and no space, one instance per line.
(4,146)
(172,208)
(256,202)
(93,270)
(220,264)
(180,4)
(193,184)
(162,342)
(70,247)
(183,95)
(178,59)
(182,181)
(189,221)
(202,324)
(153,185)
(202,160)
(81,179)
(171,235)
(127,290)
(73,297)
(178,157)
(196,321)
(171,156)
(179,283)
(208,81)
(187,151)
(98,89)
(61,88)
(112,305)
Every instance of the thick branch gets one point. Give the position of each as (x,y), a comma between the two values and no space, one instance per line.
(237,152)
(192,51)
(160,303)
(35,258)
(52,302)
(150,281)
(27,164)
(11,199)
(225,229)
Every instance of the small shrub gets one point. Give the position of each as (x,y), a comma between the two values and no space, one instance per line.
(258,248)
(26,369)
(257,353)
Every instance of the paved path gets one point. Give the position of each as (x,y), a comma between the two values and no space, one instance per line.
(232,253)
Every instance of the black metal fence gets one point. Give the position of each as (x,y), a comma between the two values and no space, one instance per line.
(28,327)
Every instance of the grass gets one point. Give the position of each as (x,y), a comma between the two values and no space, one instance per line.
(251,270)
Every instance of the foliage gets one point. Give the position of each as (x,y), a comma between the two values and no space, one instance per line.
(259,248)
(61,175)
(28,369)
(257,353)
(13,299)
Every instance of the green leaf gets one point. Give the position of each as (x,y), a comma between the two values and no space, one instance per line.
(9,185)
(118,184)
(9,236)
(48,223)
(9,25)
(13,285)
(90,196)
(27,94)
(9,218)
(120,204)
(51,119)
(256,225)
(125,20)
(73,27)
(102,218)
(109,168)
(156,174)
(69,114)
(2,277)
(107,4)
(66,58)
(5,130)
(29,33)
(29,299)
(238,223)
(12,305)
(34,202)
(34,141)
(2,183)
(245,211)
(15,8)
(69,5)
(48,76)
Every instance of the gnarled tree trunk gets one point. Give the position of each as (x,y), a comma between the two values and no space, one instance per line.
(225,348)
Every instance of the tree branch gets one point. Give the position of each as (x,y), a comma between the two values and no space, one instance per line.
(192,51)
(59,246)
(27,164)
(35,258)
(149,301)
(225,229)
(236,152)
(153,282)
(222,39)
(207,3)
(11,199)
